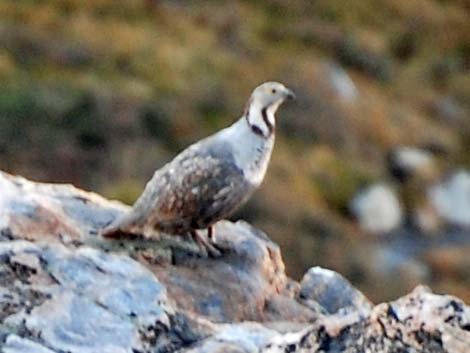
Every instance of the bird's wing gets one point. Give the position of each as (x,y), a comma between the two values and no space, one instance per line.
(201,185)
(202,189)
(147,203)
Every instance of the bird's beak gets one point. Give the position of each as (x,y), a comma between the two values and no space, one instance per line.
(289,94)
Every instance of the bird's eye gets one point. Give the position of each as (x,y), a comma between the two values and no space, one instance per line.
(273,91)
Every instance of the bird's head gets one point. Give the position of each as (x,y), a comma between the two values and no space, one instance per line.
(271,94)
(263,104)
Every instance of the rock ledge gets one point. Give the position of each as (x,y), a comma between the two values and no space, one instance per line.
(64,289)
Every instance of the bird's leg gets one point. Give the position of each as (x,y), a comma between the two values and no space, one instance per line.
(210,234)
(203,243)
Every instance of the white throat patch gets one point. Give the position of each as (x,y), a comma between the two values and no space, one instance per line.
(251,151)
(261,119)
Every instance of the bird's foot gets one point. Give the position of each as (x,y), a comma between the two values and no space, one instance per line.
(206,245)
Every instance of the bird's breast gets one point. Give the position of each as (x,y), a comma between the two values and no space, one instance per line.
(250,152)
(253,160)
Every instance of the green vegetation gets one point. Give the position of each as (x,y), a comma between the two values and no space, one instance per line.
(101,93)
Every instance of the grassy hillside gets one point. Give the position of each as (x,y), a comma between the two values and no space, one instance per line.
(101,93)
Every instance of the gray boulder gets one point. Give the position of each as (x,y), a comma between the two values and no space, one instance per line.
(332,292)
(64,289)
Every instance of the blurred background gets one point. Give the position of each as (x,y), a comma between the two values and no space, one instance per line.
(371,170)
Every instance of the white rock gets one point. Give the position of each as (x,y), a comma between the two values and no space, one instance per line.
(412,159)
(341,83)
(377,209)
(407,162)
(452,199)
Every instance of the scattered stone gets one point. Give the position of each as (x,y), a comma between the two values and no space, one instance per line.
(406,162)
(451,199)
(377,209)
(332,292)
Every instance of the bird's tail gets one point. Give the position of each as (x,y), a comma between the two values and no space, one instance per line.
(122,227)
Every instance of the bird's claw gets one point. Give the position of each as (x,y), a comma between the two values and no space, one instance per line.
(205,244)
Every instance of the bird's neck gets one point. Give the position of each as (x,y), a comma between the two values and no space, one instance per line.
(251,149)
(260,118)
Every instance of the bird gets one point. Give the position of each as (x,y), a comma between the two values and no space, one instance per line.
(209,180)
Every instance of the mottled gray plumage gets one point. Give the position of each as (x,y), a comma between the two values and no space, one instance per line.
(199,187)
(210,179)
